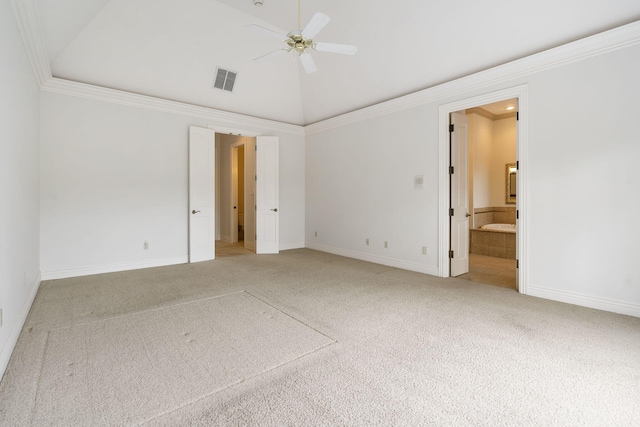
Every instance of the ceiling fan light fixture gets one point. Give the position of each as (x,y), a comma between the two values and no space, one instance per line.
(301,41)
(258,2)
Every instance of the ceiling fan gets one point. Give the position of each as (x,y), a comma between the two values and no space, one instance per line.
(301,42)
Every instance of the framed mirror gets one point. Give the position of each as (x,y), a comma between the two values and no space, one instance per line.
(510,183)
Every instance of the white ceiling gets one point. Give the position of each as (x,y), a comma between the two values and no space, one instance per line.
(171,48)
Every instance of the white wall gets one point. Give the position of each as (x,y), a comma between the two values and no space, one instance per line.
(113,176)
(360,184)
(494,145)
(503,152)
(481,133)
(19,204)
(582,241)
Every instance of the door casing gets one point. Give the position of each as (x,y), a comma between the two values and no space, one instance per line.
(444,189)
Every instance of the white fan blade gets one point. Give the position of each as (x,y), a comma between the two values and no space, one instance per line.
(308,63)
(314,26)
(265,31)
(345,49)
(273,54)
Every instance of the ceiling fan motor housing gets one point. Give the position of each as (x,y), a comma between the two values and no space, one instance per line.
(298,42)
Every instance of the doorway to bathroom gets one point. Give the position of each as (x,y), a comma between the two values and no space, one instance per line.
(491,192)
(483,186)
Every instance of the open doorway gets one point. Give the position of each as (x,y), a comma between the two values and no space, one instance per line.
(488,189)
(207,193)
(490,138)
(237,190)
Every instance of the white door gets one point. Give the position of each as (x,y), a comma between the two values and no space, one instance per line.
(459,195)
(201,194)
(267,195)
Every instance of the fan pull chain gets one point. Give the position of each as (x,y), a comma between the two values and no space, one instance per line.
(299,25)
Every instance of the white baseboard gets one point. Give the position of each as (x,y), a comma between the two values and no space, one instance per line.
(289,246)
(112,268)
(390,262)
(17,327)
(605,304)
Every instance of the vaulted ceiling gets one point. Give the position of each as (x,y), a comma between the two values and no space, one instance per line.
(171,48)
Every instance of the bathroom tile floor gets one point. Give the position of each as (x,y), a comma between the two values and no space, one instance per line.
(491,271)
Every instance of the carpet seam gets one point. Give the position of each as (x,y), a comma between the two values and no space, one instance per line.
(35,397)
(199,398)
(142,311)
(291,317)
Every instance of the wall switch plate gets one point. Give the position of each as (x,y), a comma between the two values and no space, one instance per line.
(386,245)
(146,245)
(315,233)
(424,250)
(367,242)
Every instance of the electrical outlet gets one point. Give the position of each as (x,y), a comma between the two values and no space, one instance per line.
(146,245)
(386,245)
(424,250)
(367,241)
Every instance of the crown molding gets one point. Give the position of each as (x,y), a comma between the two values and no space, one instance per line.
(488,114)
(608,41)
(28,21)
(224,118)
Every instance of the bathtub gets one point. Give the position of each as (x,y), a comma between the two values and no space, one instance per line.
(505,228)
(496,240)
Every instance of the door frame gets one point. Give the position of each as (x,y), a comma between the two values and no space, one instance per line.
(522,94)
(234,189)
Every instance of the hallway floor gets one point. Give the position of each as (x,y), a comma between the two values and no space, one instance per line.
(225,249)
(491,271)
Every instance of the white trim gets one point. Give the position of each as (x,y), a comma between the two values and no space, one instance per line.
(290,246)
(10,345)
(608,41)
(233,120)
(520,92)
(28,21)
(390,262)
(112,268)
(575,298)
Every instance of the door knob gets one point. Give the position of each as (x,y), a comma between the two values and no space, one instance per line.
(194,211)
(275,210)
(468,215)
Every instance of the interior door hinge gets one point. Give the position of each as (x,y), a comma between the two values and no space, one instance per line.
(517,115)
(451,169)
(451,211)
(517,165)
(451,254)
(517,263)
(451,127)
(255,177)
(517,214)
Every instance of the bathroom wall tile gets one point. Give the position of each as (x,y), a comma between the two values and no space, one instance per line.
(481,250)
(504,217)
(499,252)
(483,218)
(497,240)
(481,210)
(480,237)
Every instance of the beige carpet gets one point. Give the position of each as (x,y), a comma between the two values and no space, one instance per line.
(306,338)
